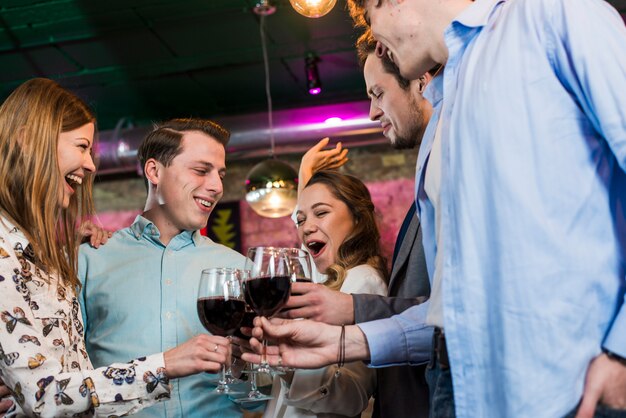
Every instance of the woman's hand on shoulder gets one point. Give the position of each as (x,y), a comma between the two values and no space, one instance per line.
(94,234)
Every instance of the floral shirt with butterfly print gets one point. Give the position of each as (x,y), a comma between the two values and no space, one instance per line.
(42,350)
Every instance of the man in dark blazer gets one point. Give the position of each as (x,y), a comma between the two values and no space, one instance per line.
(403,113)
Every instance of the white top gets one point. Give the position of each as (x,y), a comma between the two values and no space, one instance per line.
(432,186)
(320,392)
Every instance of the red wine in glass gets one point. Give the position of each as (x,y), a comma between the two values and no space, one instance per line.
(267,294)
(248,322)
(219,316)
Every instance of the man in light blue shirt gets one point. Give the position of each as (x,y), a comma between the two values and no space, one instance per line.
(139,290)
(521,190)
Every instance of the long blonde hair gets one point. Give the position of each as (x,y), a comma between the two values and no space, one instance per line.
(31,120)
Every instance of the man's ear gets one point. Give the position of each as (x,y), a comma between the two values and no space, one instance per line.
(423,82)
(152,170)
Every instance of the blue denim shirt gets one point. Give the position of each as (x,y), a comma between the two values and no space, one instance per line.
(139,297)
(533,201)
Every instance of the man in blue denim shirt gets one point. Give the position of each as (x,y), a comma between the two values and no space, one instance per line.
(521,191)
(139,290)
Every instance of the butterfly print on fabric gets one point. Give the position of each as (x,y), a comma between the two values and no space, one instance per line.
(3,253)
(61,397)
(119,376)
(12,320)
(20,286)
(17,393)
(8,358)
(88,388)
(29,339)
(34,362)
(76,317)
(42,384)
(152,381)
(58,342)
(1,278)
(49,324)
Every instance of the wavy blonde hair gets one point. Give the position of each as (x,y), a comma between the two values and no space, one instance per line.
(362,245)
(31,120)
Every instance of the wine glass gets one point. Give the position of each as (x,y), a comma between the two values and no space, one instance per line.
(300,262)
(267,287)
(221,306)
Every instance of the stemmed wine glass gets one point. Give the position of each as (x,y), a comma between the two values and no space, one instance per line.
(221,307)
(268,286)
(300,262)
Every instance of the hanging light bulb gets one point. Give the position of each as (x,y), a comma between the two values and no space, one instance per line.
(271,185)
(313,8)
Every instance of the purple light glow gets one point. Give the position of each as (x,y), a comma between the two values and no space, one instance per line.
(315,90)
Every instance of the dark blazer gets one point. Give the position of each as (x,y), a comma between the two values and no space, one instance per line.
(401,390)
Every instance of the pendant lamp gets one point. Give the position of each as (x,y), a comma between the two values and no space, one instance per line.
(271,185)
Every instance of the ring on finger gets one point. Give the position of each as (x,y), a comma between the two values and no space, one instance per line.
(216,348)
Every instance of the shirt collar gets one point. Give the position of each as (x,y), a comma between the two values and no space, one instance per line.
(434,90)
(143,227)
(478,13)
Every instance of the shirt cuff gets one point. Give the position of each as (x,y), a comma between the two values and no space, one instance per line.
(401,339)
(615,341)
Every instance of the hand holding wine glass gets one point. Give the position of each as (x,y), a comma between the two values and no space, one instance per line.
(221,306)
(268,286)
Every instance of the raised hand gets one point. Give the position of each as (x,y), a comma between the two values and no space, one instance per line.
(316,159)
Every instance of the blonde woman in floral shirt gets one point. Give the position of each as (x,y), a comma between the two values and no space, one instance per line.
(46,169)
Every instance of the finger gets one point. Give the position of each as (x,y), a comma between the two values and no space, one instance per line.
(256,345)
(4,391)
(5,404)
(251,357)
(323,142)
(587,407)
(297,313)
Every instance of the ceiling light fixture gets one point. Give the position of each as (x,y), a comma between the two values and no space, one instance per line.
(271,185)
(313,8)
(313,83)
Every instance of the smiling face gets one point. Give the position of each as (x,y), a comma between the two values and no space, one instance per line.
(324,223)
(403,113)
(75,161)
(182,194)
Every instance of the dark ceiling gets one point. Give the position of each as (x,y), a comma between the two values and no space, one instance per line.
(148,60)
(154,59)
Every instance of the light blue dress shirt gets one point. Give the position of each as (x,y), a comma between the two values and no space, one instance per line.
(139,297)
(533,201)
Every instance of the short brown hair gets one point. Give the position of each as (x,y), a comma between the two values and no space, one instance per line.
(366,45)
(163,143)
(358,12)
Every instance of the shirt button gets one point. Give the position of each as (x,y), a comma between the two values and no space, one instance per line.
(168,315)
(168,282)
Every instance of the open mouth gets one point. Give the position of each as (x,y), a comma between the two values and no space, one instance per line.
(315,247)
(73,180)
